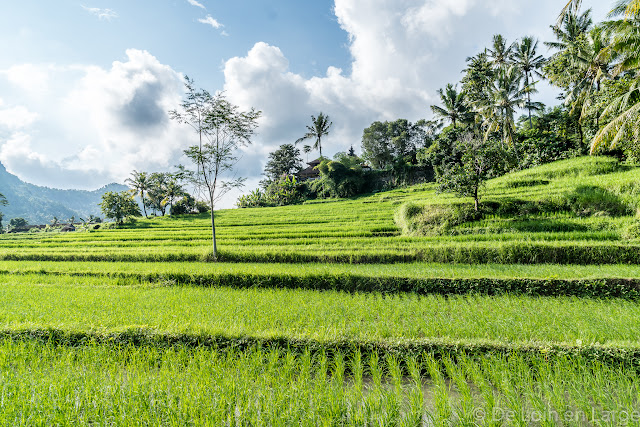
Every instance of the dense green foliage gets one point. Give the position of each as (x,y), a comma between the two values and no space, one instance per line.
(284,161)
(119,205)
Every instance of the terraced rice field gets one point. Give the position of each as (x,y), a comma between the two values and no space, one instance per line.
(326,314)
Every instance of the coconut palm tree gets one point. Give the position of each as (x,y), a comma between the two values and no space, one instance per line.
(569,31)
(630,8)
(524,56)
(590,65)
(172,191)
(478,74)
(319,127)
(454,107)
(563,68)
(500,53)
(504,96)
(139,182)
(624,111)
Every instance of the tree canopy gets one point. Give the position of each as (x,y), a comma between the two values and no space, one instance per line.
(119,205)
(285,160)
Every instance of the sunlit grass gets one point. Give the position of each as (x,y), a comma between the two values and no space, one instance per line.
(95,305)
(45,384)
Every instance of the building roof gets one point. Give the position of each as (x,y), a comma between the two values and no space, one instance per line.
(311,171)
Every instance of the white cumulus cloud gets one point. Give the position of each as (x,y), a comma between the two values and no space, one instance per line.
(15,118)
(111,121)
(29,77)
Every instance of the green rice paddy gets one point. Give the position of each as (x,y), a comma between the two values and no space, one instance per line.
(326,314)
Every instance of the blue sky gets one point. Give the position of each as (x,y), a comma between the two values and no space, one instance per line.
(37,31)
(85,85)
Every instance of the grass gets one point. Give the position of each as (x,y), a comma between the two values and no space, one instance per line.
(171,270)
(328,314)
(363,230)
(95,306)
(45,384)
(424,279)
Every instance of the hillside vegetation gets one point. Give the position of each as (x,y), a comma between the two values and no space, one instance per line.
(38,205)
(348,312)
(579,211)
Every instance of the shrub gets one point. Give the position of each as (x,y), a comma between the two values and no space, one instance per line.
(339,180)
(130,219)
(254,199)
(185,205)
(283,192)
(202,207)
(414,219)
(591,200)
(632,231)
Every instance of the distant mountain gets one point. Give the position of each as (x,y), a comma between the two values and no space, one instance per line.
(39,205)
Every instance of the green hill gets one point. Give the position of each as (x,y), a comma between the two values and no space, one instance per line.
(39,205)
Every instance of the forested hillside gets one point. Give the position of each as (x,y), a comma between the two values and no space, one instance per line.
(39,205)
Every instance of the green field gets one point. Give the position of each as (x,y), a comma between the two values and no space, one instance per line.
(329,313)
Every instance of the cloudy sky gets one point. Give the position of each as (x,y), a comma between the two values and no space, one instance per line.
(85,85)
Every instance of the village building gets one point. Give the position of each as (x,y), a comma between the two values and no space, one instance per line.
(309,172)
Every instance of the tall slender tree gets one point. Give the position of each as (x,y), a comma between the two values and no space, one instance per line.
(524,56)
(570,29)
(172,192)
(220,128)
(623,112)
(590,65)
(477,76)
(561,69)
(504,96)
(500,52)
(319,127)
(140,183)
(454,107)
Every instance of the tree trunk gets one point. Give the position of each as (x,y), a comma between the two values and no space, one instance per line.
(144,208)
(581,136)
(529,108)
(476,202)
(213,234)
(528,99)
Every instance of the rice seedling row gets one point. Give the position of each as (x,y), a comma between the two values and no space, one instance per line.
(539,280)
(45,383)
(96,305)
